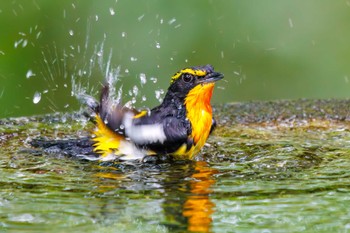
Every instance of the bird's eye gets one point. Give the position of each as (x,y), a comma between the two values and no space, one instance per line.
(187,78)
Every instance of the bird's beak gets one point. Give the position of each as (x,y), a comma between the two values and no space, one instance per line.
(211,77)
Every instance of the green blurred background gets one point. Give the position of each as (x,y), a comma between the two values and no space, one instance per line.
(267,49)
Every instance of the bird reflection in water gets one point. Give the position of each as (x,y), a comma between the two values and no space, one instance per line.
(198,207)
(184,189)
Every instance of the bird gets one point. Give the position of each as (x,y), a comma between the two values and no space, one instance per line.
(179,127)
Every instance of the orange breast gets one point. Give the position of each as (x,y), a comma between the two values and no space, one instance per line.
(199,113)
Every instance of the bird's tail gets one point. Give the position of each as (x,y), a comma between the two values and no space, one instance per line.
(108,116)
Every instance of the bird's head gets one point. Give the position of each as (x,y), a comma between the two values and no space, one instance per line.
(197,78)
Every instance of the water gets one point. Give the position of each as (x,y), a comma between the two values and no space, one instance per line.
(251,177)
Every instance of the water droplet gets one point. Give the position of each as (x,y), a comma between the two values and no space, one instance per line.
(71,32)
(111,11)
(143,78)
(37,97)
(96,18)
(133,100)
(135,90)
(30,74)
(24,44)
(126,71)
(143,98)
(290,23)
(153,79)
(123,34)
(158,94)
(133,59)
(140,17)
(173,20)
(38,35)
(157,45)
(18,42)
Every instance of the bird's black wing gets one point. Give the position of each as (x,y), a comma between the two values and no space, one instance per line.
(162,135)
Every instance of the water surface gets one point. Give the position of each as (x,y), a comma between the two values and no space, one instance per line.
(258,177)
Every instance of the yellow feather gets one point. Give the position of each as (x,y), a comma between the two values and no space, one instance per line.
(106,141)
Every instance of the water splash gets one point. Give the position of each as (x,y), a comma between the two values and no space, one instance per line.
(78,63)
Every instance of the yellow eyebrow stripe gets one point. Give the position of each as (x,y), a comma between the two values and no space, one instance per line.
(188,71)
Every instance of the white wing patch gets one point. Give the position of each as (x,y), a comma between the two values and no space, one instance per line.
(141,134)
